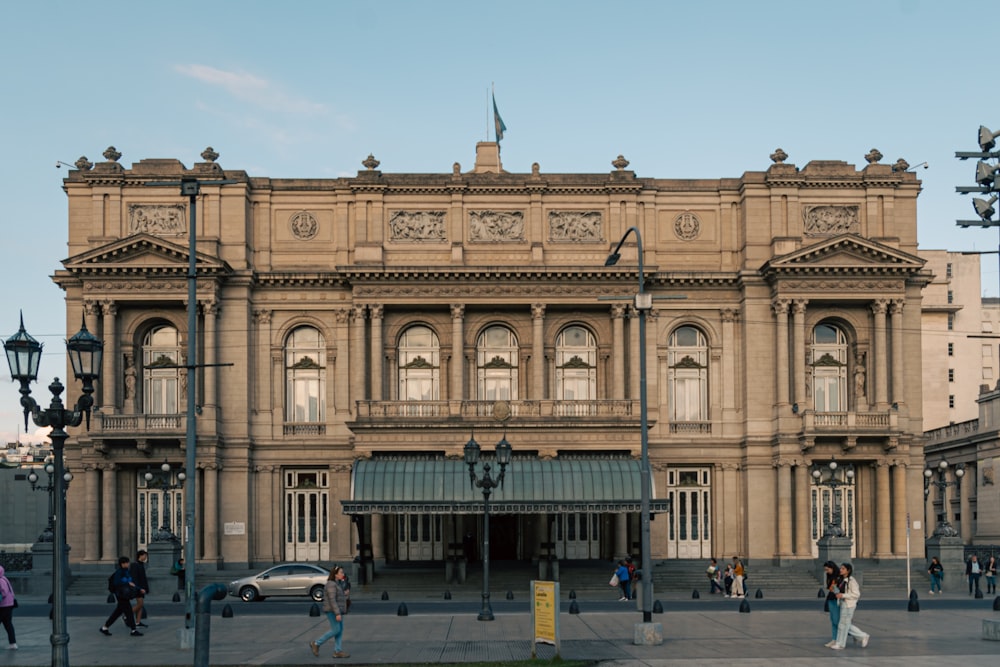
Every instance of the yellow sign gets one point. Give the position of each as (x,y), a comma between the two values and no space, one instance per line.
(545,600)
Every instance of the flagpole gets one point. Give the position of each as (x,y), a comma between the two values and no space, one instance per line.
(487,115)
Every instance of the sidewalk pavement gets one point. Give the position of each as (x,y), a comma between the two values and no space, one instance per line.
(695,635)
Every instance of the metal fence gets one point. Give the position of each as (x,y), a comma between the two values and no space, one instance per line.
(16,561)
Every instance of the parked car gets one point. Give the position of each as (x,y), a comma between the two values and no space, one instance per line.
(288,579)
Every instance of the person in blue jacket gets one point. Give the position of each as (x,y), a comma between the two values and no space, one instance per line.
(124,591)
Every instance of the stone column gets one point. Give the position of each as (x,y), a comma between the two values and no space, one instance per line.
(803,502)
(633,353)
(109,377)
(896,311)
(357,388)
(784,508)
(537,351)
(883,511)
(798,364)
(899,508)
(621,536)
(378,538)
(264,386)
(618,352)
(780,308)
(378,355)
(210,397)
(729,316)
(881,365)
(455,391)
(264,540)
(91,536)
(210,498)
(342,395)
(109,513)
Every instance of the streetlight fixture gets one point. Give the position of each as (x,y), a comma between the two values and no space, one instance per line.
(643,304)
(23,356)
(944,527)
(50,469)
(987,182)
(833,476)
(487,483)
(163,479)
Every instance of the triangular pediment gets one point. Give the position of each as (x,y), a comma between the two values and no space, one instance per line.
(143,254)
(846,254)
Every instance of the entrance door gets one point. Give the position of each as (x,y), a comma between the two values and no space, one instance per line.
(307,515)
(690,517)
(419,537)
(825,504)
(577,535)
(158,508)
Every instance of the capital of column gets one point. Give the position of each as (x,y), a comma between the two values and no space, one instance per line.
(880,306)
(457,311)
(109,307)
(780,306)
(537,311)
(91,307)
(358,311)
(896,306)
(729,314)
(618,311)
(263,315)
(782,462)
(376,311)
(343,315)
(209,307)
(799,306)
(265,469)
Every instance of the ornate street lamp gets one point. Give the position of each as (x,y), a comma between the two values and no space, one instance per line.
(944,527)
(163,478)
(23,356)
(833,476)
(643,304)
(50,468)
(487,483)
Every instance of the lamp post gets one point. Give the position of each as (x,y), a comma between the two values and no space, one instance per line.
(487,483)
(987,182)
(833,476)
(23,355)
(944,527)
(643,304)
(50,468)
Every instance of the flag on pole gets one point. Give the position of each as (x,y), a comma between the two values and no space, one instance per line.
(498,121)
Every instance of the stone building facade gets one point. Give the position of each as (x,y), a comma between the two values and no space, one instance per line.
(354,333)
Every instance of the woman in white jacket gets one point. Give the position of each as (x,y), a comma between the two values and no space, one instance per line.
(848,601)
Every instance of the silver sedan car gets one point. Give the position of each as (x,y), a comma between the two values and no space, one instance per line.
(287,579)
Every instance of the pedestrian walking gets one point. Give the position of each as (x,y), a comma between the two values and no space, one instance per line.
(973,570)
(848,598)
(990,572)
(138,573)
(623,581)
(936,570)
(335,606)
(7,604)
(833,584)
(124,590)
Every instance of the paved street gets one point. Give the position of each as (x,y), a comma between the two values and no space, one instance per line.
(779,631)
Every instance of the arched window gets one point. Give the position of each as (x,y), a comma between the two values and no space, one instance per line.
(161,376)
(496,364)
(687,375)
(305,375)
(576,365)
(419,365)
(829,368)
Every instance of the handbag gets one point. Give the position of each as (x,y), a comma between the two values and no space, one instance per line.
(614,580)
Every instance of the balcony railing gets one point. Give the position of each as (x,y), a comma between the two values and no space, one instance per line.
(848,421)
(304,428)
(595,409)
(691,428)
(140,423)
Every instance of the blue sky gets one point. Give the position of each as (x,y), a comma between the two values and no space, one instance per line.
(297,89)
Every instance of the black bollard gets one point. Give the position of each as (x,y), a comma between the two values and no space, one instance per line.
(657,607)
(759,594)
(402,610)
(913,594)
(572,595)
(745,606)
(111,598)
(913,605)
(227,611)
(979,594)
(574,608)
(695,595)
(447,595)
(177,597)
(510,595)
(996,603)
(385,595)
(821,594)
(314,610)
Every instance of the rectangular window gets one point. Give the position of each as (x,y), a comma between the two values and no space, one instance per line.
(947,270)
(987,351)
(951,321)
(951,297)
(987,373)
(951,400)
(951,375)
(951,350)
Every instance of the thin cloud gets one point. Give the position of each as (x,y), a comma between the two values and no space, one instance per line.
(253,89)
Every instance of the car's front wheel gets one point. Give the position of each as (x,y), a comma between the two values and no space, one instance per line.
(316,593)
(249,594)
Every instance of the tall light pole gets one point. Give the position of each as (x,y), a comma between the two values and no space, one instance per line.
(49,533)
(23,356)
(643,304)
(988,182)
(487,483)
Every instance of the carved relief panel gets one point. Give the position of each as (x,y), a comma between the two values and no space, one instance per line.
(822,220)
(417,226)
(160,219)
(575,226)
(496,226)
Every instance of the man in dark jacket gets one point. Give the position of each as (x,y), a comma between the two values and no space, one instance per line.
(138,573)
(124,590)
